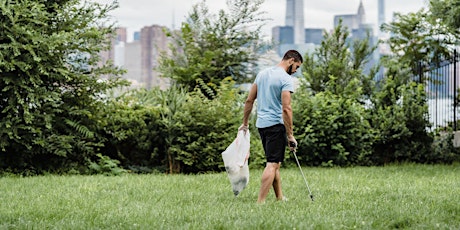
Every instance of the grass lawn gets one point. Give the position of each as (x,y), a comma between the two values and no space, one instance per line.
(407,196)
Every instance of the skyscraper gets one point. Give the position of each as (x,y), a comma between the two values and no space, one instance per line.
(314,35)
(352,21)
(153,42)
(282,35)
(295,19)
(381,9)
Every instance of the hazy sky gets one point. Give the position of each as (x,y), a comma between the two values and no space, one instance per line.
(135,14)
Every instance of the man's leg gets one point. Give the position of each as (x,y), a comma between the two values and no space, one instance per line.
(268,178)
(277,184)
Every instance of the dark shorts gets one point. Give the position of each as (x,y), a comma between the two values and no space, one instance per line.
(274,141)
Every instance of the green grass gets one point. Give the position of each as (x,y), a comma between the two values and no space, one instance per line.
(408,196)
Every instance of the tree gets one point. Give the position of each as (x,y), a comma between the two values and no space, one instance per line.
(50,81)
(419,40)
(212,47)
(331,125)
(448,11)
(399,111)
(341,59)
(399,115)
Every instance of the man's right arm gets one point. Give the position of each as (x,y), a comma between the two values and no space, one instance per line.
(287,117)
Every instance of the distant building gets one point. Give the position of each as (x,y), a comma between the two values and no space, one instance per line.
(302,48)
(351,21)
(295,19)
(359,30)
(119,54)
(107,55)
(115,53)
(363,31)
(294,35)
(381,10)
(282,35)
(139,58)
(137,36)
(314,36)
(133,64)
(153,42)
(120,35)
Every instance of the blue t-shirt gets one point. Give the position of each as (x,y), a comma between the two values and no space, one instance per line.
(270,83)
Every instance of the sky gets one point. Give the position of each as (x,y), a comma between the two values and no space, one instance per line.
(135,14)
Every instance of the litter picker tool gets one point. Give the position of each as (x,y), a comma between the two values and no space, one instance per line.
(292,144)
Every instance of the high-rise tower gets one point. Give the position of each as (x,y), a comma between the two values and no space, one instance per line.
(352,21)
(381,9)
(361,15)
(295,19)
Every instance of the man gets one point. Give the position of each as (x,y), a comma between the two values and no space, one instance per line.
(272,89)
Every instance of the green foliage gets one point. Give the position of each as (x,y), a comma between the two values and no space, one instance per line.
(399,114)
(448,11)
(173,130)
(209,126)
(257,159)
(50,85)
(330,119)
(132,129)
(172,102)
(347,119)
(443,149)
(56,113)
(142,127)
(332,130)
(419,40)
(106,166)
(213,47)
(341,58)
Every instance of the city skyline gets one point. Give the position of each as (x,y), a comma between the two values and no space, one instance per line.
(295,18)
(317,13)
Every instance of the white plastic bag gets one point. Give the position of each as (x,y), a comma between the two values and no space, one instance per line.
(236,161)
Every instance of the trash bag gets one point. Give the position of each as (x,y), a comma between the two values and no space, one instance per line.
(236,161)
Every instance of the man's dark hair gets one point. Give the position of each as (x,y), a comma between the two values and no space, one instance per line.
(293,54)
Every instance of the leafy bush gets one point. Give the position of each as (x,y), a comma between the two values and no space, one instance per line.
(209,126)
(443,149)
(332,130)
(106,166)
(330,119)
(173,130)
(50,83)
(399,115)
(132,129)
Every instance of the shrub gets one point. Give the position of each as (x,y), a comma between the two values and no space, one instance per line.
(50,85)
(332,130)
(132,129)
(209,126)
(106,166)
(443,150)
(399,115)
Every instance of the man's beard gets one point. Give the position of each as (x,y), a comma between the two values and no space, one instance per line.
(289,70)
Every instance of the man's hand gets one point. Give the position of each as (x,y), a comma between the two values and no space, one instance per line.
(243,127)
(292,143)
